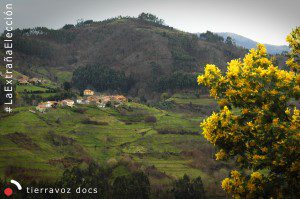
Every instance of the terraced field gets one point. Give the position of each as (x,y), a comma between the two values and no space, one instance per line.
(36,145)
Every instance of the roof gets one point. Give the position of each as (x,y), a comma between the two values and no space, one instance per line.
(41,106)
(68,100)
(51,102)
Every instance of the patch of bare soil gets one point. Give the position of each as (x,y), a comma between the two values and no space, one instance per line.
(69,146)
(25,174)
(60,140)
(23,141)
(67,162)
(177,131)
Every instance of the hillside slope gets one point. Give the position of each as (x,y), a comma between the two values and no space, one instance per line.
(66,137)
(147,51)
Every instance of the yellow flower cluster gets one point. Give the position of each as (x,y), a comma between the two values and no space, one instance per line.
(234,68)
(209,125)
(254,183)
(234,184)
(211,73)
(256,176)
(221,155)
(260,94)
(226,185)
(250,79)
(294,39)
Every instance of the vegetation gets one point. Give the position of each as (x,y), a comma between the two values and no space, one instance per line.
(102,79)
(150,18)
(94,177)
(135,185)
(155,149)
(95,181)
(69,137)
(263,136)
(177,81)
(210,36)
(142,49)
(185,188)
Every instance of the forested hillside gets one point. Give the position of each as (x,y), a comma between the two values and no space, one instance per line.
(145,51)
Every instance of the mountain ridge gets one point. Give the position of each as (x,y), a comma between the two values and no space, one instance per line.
(249,43)
(152,54)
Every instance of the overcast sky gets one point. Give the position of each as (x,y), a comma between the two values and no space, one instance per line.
(265,21)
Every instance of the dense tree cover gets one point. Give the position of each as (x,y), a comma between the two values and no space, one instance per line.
(92,177)
(150,18)
(229,41)
(177,81)
(61,36)
(210,36)
(101,78)
(99,180)
(102,182)
(262,135)
(185,188)
(122,44)
(68,26)
(67,86)
(133,186)
(182,58)
(38,48)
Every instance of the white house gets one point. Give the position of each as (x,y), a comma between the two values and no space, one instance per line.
(67,102)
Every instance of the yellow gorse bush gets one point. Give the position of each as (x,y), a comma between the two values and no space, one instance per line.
(263,137)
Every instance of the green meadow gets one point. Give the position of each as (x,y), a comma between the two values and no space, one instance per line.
(42,146)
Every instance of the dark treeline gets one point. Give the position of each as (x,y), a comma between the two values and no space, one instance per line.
(38,48)
(101,78)
(177,80)
(210,36)
(102,184)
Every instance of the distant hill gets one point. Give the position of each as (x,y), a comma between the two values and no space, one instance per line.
(248,43)
(152,55)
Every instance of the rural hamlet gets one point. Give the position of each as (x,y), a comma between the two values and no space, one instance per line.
(89,98)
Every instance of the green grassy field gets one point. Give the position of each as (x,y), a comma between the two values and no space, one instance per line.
(187,99)
(23,88)
(60,134)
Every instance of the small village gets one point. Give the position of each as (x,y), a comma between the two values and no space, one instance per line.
(89,98)
(26,80)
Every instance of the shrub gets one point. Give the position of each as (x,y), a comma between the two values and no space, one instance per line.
(112,162)
(264,134)
(150,119)
(185,188)
(80,110)
(89,121)
(179,131)
(133,186)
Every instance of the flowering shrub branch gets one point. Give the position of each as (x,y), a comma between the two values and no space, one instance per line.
(262,133)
